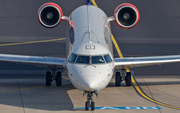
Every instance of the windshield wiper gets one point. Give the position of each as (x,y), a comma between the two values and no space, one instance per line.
(89,65)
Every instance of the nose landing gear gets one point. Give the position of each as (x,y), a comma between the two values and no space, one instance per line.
(90,102)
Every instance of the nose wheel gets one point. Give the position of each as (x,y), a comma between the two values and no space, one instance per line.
(89,102)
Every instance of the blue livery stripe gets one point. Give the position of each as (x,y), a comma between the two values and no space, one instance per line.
(88,2)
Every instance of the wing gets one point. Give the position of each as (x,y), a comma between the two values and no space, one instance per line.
(35,60)
(144,61)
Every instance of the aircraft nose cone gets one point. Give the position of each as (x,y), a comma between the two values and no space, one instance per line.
(91,83)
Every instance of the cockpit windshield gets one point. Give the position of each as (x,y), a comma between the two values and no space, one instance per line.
(97,59)
(83,60)
(80,59)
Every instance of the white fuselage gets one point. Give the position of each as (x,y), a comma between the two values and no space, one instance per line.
(89,37)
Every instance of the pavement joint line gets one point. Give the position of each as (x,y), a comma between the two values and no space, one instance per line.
(148,89)
(138,88)
(32,42)
(21,96)
(133,80)
(142,94)
(150,93)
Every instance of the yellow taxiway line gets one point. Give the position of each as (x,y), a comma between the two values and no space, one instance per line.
(32,42)
(94,3)
(136,86)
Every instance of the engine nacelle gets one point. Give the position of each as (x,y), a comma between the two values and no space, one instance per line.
(126,15)
(50,15)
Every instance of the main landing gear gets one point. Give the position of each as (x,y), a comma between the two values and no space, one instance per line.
(123,76)
(90,102)
(54,76)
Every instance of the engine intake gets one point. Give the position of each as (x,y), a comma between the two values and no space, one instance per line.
(126,15)
(49,15)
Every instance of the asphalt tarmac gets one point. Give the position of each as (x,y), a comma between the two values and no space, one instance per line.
(157,33)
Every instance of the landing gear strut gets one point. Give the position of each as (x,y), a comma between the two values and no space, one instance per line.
(89,102)
(50,77)
(118,79)
(128,79)
(58,79)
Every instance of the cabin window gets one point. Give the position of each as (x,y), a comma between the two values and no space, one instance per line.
(106,35)
(72,58)
(71,34)
(97,59)
(107,58)
(83,60)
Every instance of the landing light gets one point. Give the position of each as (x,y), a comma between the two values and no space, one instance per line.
(90,47)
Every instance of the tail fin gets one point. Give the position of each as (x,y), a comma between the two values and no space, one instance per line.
(88,2)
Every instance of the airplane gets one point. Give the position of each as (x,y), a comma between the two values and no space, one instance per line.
(90,63)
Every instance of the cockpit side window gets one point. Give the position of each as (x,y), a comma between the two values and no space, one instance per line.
(97,59)
(83,60)
(107,58)
(71,34)
(72,58)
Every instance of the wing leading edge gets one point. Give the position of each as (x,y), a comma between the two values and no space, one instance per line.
(35,60)
(130,62)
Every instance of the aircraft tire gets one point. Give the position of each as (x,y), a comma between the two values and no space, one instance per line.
(58,79)
(92,106)
(87,106)
(128,79)
(118,79)
(48,78)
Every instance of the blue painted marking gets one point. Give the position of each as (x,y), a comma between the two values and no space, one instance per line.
(88,2)
(122,108)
